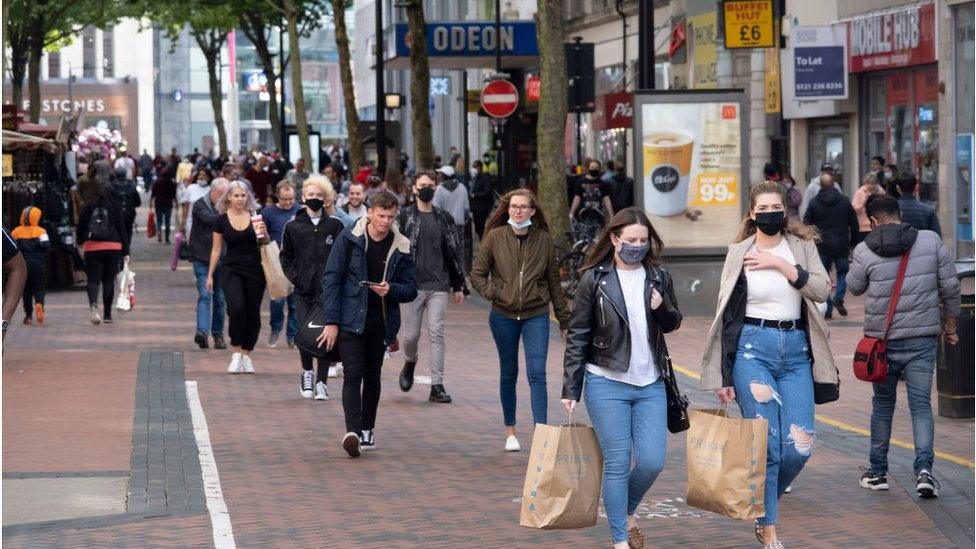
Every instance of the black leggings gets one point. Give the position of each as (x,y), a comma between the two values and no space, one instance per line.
(362,363)
(102,266)
(35,288)
(244,294)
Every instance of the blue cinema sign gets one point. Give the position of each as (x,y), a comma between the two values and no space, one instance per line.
(472,39)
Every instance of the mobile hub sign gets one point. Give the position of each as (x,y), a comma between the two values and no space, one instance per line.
(819,56)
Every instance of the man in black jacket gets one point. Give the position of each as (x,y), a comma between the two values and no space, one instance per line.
(833,215)
(918,215)
(481,196)
(436,249)
(210,307)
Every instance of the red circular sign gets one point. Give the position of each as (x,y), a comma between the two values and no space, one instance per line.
(499,98)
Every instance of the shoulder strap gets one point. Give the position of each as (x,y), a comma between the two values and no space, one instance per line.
(896,291)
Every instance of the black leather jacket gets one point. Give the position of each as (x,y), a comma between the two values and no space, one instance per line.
(599,332)
(409,224)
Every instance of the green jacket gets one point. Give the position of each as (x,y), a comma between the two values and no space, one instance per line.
(520,282)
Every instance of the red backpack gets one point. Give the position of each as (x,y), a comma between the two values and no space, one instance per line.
(870,356)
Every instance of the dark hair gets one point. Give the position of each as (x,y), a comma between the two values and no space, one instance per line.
(357,183)
(879,159)
(499,217)
(770,169)
(610,165)
(603,249)
(882,205)
(907,184)
(384,200)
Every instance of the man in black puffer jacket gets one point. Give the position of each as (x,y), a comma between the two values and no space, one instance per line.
(831,212)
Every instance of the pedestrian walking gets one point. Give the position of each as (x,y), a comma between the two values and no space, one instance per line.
(146,170)
(452,196)
(262,179)
(439,271)
(34,244)
(481,197)
(833,216)
(621,189)
(369,273)
(242,276)
(765,335)
(14,279)
(306,243)
(211,304)
(127,197)
(355,206)
(276,217)
(200,188)
(102,237)
(913,337)
(794,198)
(517,271)
(918,215)
(298,174)
(814,187)
(591,198)
(860,200)
(623,307)
(163,199)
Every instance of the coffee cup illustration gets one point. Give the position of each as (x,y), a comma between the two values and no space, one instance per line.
(667,165)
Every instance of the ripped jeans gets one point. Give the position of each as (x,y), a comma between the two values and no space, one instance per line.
(774,381)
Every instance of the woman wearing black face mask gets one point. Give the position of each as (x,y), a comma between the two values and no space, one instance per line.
(624,306)
(591,203)
(767,346)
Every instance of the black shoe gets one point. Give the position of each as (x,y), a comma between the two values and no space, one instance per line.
(219,342)
(368,443)
(406,376)
(926,485)
(201,340)
(107,320)
(438,394)
(874,481)
(351,444)
(839,305)
(829,314)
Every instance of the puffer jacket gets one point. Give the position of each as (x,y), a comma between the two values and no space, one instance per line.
(409,224)
(305,248)
(31,237)
(599,332)
(930,281)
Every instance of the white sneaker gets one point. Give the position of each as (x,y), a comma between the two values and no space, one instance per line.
(235,363)
(512,444)
(321,392)
(332,371)
(339,369)
(246,366)
(95,317)
(307,381)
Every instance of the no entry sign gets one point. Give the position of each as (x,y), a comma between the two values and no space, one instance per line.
(499,98)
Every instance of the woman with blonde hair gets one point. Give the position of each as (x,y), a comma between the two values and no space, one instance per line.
(517,271)
(242,277)
(767,346)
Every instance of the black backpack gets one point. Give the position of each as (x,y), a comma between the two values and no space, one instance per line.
(100,226)
(122,192)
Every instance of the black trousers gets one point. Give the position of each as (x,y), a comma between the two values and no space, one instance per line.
(301,305)
(101,267)
(479,219)
(244,294)
(35,288)
(362,363)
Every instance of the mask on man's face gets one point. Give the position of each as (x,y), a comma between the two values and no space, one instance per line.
(426,194)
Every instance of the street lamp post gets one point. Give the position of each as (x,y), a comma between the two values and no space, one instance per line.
(380,93)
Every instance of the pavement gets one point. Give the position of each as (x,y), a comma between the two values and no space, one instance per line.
(128,435)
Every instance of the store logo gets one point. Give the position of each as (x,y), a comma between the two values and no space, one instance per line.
(665,178)
(728,112)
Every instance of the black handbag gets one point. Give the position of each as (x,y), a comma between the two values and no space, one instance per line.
(677,403)
(310,328)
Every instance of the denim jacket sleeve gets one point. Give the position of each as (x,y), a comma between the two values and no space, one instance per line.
(332,279)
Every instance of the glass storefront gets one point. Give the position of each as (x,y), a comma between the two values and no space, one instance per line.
(965,96)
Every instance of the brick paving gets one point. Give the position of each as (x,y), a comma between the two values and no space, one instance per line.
(439,477)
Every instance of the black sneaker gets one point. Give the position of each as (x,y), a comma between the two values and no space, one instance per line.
(438,394)
(926,485)
(219,342)
(829,315)
(201,339)
(351,444)
(874,481)
(307,384)
(368,441)
(839,305)
(406,376)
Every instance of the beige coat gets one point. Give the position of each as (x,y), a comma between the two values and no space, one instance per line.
(817,289)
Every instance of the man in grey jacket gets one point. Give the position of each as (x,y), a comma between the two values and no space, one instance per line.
(913,338)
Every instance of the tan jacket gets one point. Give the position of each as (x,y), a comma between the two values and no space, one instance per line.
(817,289)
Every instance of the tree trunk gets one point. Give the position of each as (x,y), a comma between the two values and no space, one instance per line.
(552,115)
(355,142)
(18,73)
(423,143)
(297,93)
(34,77)
(210,45)
(254,27)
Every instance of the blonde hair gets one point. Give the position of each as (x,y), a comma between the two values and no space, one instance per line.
(324,185)
(224,203)
(792,226)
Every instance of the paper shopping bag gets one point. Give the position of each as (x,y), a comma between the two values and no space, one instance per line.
(278,284)
(564,477)
(726,464)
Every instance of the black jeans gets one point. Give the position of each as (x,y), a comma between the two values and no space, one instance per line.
(102,266)
(362,363)
(35,288)
(244,294)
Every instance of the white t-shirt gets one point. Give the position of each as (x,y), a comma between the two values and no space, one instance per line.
(643,371)
(771,296)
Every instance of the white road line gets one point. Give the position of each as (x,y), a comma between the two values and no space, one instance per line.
(223,533)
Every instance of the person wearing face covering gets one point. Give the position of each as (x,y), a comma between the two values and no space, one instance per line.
(767,346)
(616,350)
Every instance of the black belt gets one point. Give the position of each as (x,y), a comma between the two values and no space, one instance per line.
(786,325)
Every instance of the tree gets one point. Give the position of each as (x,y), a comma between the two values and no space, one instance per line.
(356,153)
(257,27)
(423,142)
(211,40)
(552,113)
(17,39)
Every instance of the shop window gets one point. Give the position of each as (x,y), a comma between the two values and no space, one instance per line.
(54,64)
(108,51)
(88,52)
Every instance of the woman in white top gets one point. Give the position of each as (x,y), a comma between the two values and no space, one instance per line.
(768,345)
(623,307)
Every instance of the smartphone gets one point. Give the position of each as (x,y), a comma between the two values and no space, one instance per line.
(366,283)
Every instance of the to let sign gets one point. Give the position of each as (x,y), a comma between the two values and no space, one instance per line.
(499,98)
(749,24)
(819,56)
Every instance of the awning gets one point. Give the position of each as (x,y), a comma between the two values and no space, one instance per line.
(15,140)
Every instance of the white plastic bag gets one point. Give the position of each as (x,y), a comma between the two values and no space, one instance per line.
(125,297)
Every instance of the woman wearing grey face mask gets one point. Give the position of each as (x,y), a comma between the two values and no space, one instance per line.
(624,306)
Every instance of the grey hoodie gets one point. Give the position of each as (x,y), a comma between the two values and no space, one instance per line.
(930,281)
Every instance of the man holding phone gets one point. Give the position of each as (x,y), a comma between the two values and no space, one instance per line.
(370,272)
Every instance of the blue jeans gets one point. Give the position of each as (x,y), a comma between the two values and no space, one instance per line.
(535,332)
(278,316)
(912,359)
(843,265)
(207,322)
(774,381)
(623,414)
